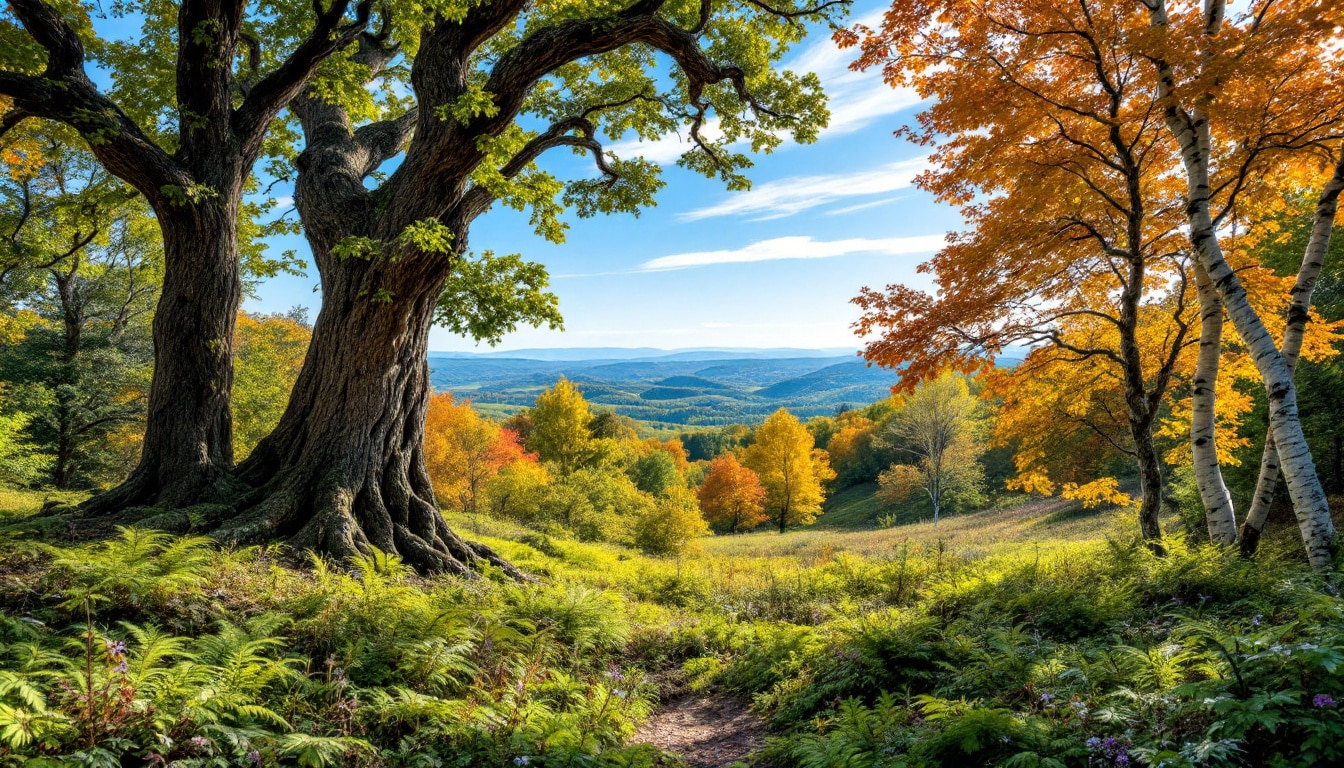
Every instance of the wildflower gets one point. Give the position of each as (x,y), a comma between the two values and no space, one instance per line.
(618,693)
(1006,739)
(1323,700)
(254,757)
(1122,758)
(1255,620)
(199,742)
(121,667)
(1047,697)
(1093,743)
(615,674)
(522,760)
(117,648)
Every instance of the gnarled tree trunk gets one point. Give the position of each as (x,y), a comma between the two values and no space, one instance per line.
(1218,510)
(344,471)
(1299,313)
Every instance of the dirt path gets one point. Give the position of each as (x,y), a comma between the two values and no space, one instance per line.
(707,731)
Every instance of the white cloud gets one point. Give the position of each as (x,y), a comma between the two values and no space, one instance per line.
(862,206)
(797,247)
(855,99)
(786,197)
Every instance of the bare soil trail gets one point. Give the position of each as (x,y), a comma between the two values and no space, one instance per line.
(707,731)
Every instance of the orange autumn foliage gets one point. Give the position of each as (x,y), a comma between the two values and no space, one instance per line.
(464,450)
(732,498)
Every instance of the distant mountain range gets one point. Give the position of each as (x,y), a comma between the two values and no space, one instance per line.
(586,354)
(670,388)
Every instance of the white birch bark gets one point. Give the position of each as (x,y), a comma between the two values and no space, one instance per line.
(1218,511)
(1313,259)
(1191,130)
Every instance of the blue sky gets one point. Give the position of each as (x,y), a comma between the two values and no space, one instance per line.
(775,266)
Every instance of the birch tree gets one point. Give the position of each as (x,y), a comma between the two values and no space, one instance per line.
(1272,59)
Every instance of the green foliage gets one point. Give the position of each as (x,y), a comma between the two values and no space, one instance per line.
(21,463)
(258,664)
(655,473)
(672,525)
(489,296)
(81,269)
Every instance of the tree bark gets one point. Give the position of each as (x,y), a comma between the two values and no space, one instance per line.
(344,471)
(72,316)
(1309,502)
(187,452)
(1218,510)
(1313,260)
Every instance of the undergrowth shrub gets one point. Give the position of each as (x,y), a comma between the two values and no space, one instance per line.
(365,666)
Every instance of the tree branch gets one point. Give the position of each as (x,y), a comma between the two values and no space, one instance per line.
(273,92)
(64,93)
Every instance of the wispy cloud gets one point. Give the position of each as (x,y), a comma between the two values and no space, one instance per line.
(798,247)
(862,206)
(855,99)
(785,197)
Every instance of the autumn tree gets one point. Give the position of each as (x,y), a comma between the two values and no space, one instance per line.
(1246,100)
(937,425)
(790,469)
(464,451)
(1291,346)
(855,453)
(731,497)
(270,351)
(1056,153)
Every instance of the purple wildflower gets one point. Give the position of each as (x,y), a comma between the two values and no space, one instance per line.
(1323,700)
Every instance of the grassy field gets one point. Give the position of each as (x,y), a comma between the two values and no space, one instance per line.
(1044,521)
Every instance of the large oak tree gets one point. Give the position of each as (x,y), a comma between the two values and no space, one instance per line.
(466,96)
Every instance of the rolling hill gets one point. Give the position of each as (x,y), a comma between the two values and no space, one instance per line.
(671,389)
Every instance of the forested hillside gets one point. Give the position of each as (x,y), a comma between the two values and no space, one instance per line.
(685,389)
